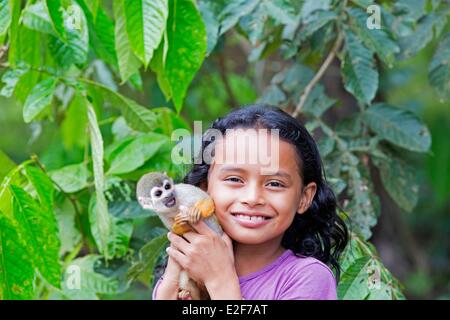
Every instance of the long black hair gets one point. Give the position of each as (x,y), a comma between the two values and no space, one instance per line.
(319,232)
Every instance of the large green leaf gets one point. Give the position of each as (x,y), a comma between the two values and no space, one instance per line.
(103,226)
(16,266)
(137,116)
(11,77)
(358,70)
(376,40)
(439,69)
(354,284)
(398,126)
(429,27)
(364,205)
(187,47)
(120,231)
(400,181)
(44,188)
(90,281)
(26,49)
(36,17)
(71,178)
(145,25)
(73,127)
(131,154)
(39,98)
(56,13)
(148,255)
(72,46)
(128,62)
(40,232)
(5,16)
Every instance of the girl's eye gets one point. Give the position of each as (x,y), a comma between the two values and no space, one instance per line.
(275,184)
(233,179)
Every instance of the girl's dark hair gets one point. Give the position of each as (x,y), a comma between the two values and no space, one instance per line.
(319,232)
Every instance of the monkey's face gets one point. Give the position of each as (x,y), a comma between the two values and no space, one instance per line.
(163,197)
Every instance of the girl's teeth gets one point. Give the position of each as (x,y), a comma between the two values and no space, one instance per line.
(251,218)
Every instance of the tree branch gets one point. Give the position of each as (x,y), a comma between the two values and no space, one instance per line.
(318,75)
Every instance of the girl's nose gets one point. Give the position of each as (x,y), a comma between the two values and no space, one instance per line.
(252,196)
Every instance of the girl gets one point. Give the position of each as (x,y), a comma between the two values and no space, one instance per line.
(281,229)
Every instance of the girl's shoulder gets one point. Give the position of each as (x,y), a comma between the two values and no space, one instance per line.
(308,275)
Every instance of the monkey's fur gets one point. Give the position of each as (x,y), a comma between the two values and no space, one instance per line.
(156,191)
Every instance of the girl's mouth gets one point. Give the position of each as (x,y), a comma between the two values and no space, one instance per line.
(251,220)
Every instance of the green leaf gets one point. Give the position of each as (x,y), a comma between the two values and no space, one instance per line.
(71,178)
(16,267)
(148,256)
(359,73)
(400,181)
(36,18)
(40,232)
(90,280)
(399,127)
(187,48)
(101,209)
(253,24)
(69,235)
(212,24)
(427,28)
(74,125)
(10,79)
(309,6)
(26,50)
(439,69)
(94,6)
(5,16)
(128,62)
(137,116)
(145,25)
(354,284)
(364,205)
(316,21)
(131,154)
(43,186)
(129,210)
(72,47)
(377,40)
(56,12)
(120,231)
(39,98)
(6,165)
(231,13)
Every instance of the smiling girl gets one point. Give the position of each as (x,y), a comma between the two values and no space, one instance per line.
(282,232)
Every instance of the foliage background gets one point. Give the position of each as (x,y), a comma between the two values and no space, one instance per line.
(91,91)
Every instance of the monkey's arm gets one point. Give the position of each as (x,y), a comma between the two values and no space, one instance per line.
(202,209)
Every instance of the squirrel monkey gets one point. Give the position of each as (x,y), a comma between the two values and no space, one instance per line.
(156,191)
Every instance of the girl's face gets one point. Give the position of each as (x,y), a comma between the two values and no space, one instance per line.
(252,207)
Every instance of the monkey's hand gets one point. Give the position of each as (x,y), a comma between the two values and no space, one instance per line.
(201,209)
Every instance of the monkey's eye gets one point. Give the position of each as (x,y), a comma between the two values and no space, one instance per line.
(157,193)
(167,186)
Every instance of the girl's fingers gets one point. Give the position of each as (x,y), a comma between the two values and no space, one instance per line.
(177,241)
(189,236)
(177,256)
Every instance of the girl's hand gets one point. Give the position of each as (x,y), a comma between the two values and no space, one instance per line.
(208,258)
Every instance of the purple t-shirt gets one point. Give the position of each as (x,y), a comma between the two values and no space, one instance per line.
(288,278)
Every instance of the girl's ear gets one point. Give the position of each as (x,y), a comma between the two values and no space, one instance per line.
(307,197)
